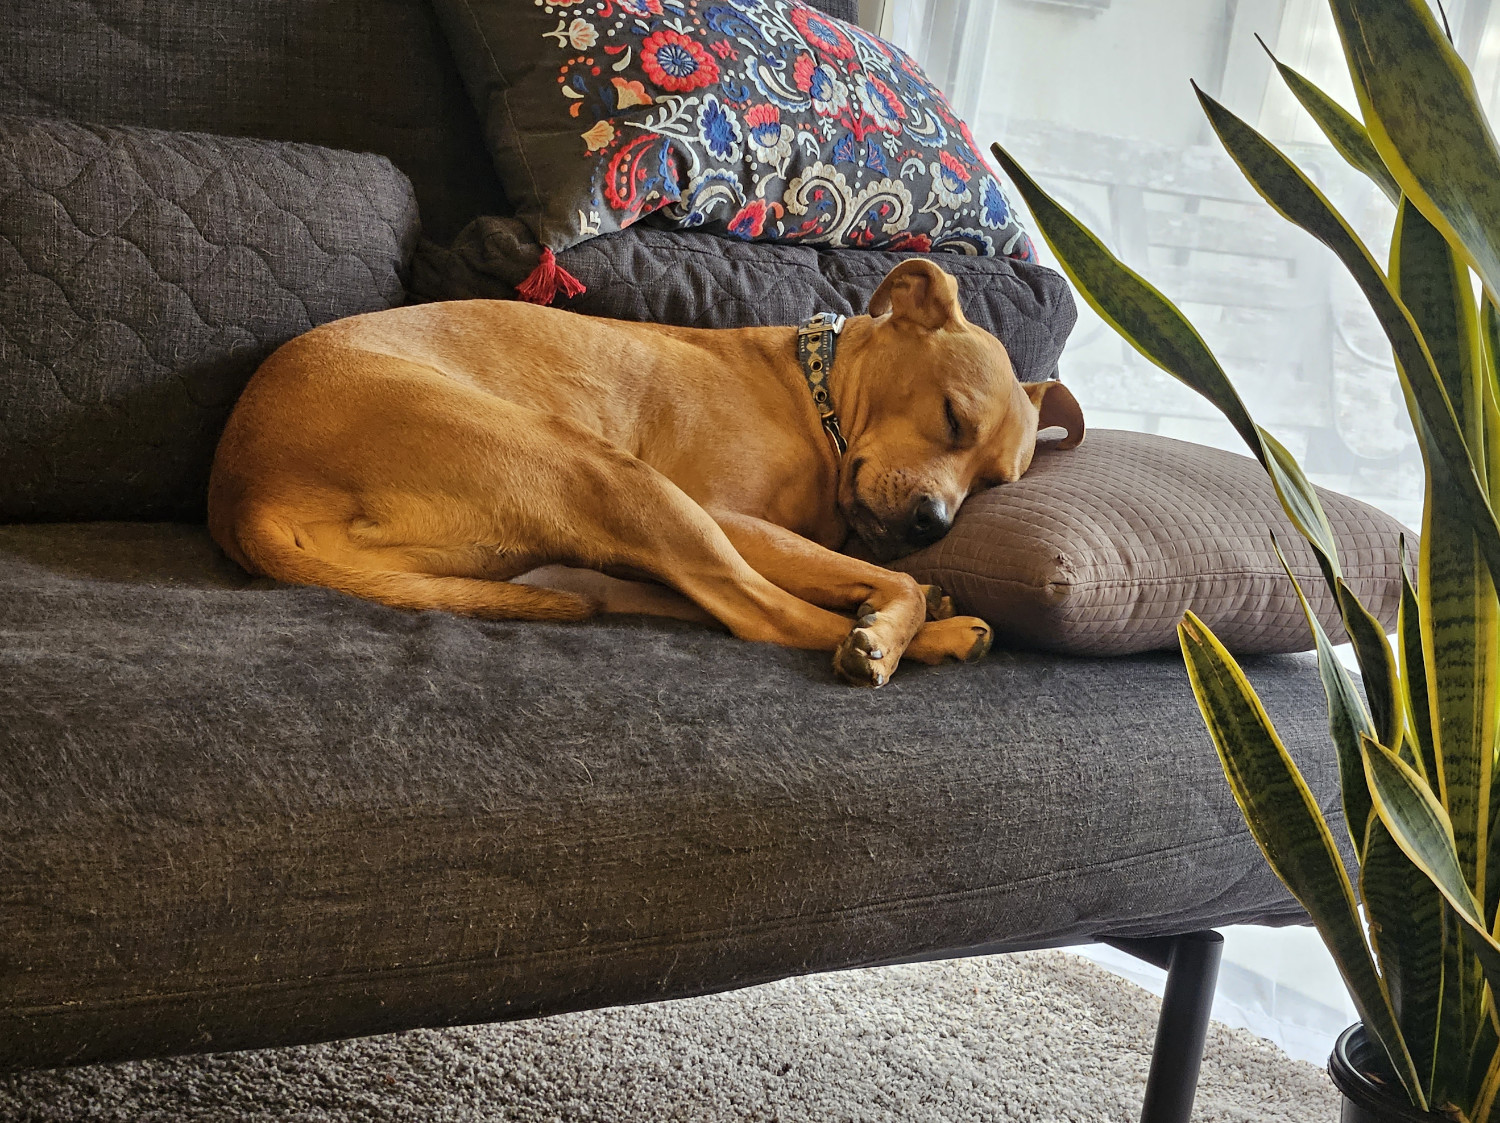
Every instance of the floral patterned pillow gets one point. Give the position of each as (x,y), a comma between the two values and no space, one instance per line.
(754,119)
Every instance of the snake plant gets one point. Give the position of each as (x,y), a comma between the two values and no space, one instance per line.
(1414,932)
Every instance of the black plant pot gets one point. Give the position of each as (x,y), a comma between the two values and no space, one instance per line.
(1366,1101)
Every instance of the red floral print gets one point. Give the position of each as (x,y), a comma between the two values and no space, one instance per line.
(821,33)
(676,63)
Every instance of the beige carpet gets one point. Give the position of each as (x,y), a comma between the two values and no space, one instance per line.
(1039,1037)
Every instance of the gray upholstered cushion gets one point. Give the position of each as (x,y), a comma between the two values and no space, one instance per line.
(697,280)
(364,75)
(236,814)
(143,276)
(1101,549)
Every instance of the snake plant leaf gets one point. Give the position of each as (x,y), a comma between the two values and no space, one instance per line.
(1377,663)
(1344,131)
(1424,116)
(1405,913)
(1461,645)
(1484,1070)
(1433,282)
(1461,1012)
(1420,826)
(1460,615)
(1290,829)
(1422,829)
(1489,335)
(1412,665)
(1489,338)
(1347,719)
(1154,326)
(1296,198)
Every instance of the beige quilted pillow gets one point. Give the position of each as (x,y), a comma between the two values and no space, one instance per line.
(1100,550)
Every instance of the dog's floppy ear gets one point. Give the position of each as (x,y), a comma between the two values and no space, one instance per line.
(918,291)
(1056,408)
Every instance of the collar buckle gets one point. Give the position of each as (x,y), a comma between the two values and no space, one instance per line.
(817,344)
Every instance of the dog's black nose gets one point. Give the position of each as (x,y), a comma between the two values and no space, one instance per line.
(929,521)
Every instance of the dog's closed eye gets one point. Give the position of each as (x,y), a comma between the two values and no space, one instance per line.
(955,427)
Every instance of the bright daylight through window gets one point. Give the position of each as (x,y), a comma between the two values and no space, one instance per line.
(1093,98)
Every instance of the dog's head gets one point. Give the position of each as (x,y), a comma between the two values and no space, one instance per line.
(933,411)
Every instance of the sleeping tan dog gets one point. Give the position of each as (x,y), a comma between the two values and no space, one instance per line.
(427,457)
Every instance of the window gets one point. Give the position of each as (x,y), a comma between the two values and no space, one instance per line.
(1093,98)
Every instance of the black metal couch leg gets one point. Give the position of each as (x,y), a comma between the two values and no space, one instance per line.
(1191,962)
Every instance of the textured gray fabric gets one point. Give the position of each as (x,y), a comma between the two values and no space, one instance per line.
(236,814)
(842,9)
(1101,549)
(696,280)
(366,75)
(143,277)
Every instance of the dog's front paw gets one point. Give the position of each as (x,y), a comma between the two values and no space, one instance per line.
(958,639)
(862,659)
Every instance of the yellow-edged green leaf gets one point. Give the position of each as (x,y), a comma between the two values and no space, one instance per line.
(1433,283)
(1420,826)
(1484,1072)
(1489,338)
(1347,719)
(1405,913)
(1283,185)
(1290,829)
(1461,1015)
(1490,345)
(1377,663)
(1461,645)
(1154,326)
(1460,616)
(1425,118)
(1344,131)
(1413,670)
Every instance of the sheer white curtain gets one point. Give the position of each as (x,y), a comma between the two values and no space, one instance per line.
(1093,97)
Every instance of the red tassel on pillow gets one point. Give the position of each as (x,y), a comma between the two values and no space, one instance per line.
(542,286)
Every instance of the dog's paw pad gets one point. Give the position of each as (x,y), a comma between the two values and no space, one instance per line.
(939,605)
(857,659)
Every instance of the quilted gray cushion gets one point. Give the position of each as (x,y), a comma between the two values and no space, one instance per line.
(698,280)
(1101,549)
(367,75)
(363,75)
(143,276)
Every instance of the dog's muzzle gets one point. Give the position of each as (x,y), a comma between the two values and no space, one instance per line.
(927,519)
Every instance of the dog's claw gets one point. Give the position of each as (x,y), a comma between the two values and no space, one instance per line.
(983,637)
(867,620)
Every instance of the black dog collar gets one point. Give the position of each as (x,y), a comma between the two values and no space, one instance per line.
(817,343)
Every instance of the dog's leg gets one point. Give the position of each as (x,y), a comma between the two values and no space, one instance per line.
(891,608)
(614,595)
(307,551)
